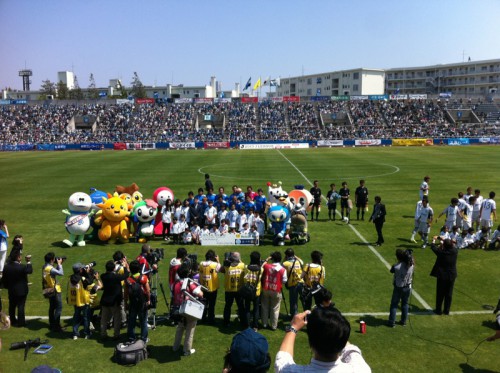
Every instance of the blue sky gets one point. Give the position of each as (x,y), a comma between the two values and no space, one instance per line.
(186,42)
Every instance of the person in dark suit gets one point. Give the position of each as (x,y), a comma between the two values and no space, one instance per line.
(378,218)
(112,296)
(15,279)
(445,270)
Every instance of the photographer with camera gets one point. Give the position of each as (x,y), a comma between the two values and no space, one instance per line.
(80,286)
(112,297)
(137,300)
(175,264)
(403,278)
(15,279)
(145,266)
(496,312)
(187,323)
(52,289)
(293,265)
(273,278)
(445,271)
(233,270)
(313,274)
(209,277)
(328,333)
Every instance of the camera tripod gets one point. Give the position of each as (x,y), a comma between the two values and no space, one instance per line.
(154,300)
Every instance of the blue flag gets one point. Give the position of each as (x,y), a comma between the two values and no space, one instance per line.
(249,83)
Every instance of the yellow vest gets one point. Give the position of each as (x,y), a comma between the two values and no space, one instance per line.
(48,280)
(209,276)
(77,295)
(233,278)
(314,274)
(295,275)
(251,277)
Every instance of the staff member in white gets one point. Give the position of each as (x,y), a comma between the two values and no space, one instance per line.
(418,207)
(424,187)
(426,214)
(476,208)
(488,208)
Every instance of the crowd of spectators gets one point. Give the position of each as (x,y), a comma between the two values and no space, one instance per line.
(236,121)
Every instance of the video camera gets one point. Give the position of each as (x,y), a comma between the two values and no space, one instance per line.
(408,257)
(155,255)
(27,345)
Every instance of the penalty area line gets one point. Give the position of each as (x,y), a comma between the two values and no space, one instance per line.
(372,249)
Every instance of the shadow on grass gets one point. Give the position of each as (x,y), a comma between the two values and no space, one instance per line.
(372,321)
(466,368)
(164,354)
(360,243)
(490,324)
(39,325)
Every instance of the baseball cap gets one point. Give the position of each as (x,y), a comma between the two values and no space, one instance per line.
(250,349)
(77,267)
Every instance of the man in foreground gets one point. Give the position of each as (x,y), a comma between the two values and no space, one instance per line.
(328,333)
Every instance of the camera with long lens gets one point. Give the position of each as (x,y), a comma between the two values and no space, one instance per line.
(227,258)
(408,257)
(63,258)
(155,255)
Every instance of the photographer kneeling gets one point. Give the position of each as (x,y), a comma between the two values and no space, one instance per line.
(328,333)
(403,277)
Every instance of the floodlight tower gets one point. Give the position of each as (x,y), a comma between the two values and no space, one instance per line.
(26,73)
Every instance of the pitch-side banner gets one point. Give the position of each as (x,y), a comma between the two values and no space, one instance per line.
(458,141)
(183,100)
(275,146)
(370,142)
(216,145)
(412,142)
(182,145)
(229,239)
(330,142)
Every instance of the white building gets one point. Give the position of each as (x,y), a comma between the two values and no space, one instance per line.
(67,77)
(471,78)
(347,82)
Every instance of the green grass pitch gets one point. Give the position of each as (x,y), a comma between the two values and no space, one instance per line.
(35,187)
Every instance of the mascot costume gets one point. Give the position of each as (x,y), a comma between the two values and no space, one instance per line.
(144,214)
(113,219)
(96,197)
(278,197)
(160,196)
(132,196)
(278,216)
(78,218)
(301,200)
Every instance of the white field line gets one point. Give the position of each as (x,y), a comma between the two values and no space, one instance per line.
(373,250)
(351,314)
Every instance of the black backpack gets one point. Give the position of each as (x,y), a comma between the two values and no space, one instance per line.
(136,295)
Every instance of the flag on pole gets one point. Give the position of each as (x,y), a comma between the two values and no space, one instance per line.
(266,81)
(257,85)
(274,82)
(249,83)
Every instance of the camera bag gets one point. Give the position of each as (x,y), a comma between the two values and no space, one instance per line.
(130,353)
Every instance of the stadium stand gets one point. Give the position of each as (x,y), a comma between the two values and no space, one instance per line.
(236,121)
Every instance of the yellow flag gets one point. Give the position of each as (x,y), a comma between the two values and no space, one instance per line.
(256,85)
